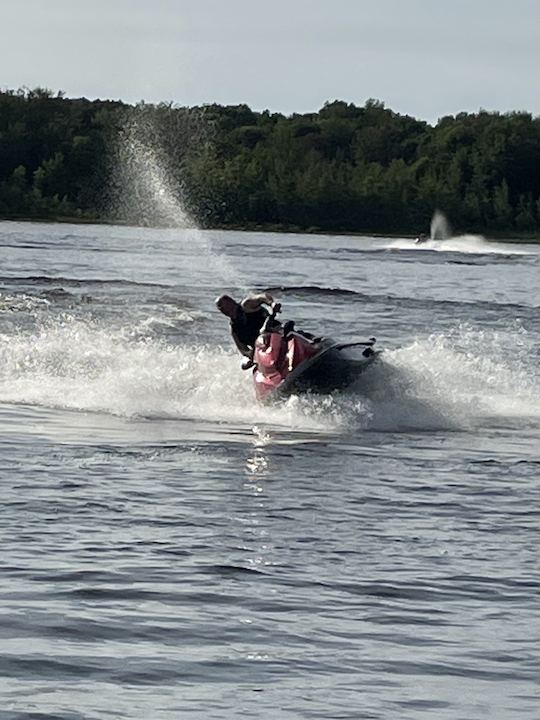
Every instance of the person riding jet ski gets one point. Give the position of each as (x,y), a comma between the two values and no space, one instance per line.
(246,320)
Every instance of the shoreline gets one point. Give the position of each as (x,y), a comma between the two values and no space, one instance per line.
(495,236)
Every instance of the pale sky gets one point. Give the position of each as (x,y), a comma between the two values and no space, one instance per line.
(426,58)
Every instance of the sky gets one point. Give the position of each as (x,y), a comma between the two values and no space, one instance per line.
(426,58)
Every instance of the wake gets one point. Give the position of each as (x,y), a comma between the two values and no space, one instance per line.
(465,244)
(464,379)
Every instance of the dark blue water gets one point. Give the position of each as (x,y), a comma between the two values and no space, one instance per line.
(170,549)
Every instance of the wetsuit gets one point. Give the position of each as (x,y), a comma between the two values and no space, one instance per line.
(247,325)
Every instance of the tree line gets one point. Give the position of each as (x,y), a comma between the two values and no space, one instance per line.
(344,168)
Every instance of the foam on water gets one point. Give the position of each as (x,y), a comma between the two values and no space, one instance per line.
(78,365)
(442,239)
(464,379)
(22,302)
(467,244)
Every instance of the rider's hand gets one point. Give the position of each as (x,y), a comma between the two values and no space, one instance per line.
(276,307)
(247,364)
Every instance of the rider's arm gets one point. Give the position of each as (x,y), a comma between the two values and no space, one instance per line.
(244,349)
(254,302)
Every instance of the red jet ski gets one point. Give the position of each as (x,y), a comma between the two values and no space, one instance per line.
(287,361)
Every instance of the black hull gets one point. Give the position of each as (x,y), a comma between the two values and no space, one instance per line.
(335,367)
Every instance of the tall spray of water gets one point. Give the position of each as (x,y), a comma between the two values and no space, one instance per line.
(465,243)
(440,228)
(147,180)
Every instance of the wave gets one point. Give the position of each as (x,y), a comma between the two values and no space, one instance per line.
(173,310)
(78,365)
(75,282)
(466,244)
(466,378)
(313,290)
(463,379)
(395,300)
(21,302)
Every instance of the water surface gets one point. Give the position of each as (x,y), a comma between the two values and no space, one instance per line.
(171,549)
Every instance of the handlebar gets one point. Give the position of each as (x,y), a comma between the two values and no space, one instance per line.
(271,319)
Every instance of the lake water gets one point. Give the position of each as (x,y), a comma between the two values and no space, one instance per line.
(171,549)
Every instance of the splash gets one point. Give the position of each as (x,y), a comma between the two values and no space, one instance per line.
(147,187)
(441,239)
(478,245)
(464,379)
(22,302)
(79,365)
(144,190)
(440,227)
(467,244)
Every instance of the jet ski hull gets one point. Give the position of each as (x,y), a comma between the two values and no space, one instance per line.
(319,367)
(333,368)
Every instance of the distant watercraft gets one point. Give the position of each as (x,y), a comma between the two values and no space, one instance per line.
(439,229)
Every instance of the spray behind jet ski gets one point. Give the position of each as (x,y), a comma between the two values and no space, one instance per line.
(439,229)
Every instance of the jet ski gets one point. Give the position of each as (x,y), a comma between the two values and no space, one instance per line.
(289,362)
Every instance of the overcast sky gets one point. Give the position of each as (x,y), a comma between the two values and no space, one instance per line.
(426,58)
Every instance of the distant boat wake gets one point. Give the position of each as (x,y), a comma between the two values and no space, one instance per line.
(466,244)
(442,239)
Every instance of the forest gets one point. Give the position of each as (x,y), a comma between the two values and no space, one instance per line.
(342,169)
